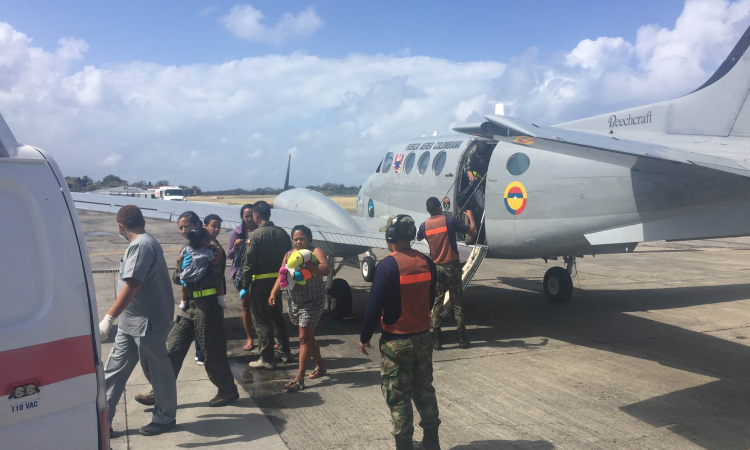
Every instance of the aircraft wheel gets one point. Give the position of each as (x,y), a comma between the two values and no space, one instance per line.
(341,294)
(368,268)
(558,286)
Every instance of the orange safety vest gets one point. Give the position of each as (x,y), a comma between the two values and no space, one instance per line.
(414,270)
(436,232)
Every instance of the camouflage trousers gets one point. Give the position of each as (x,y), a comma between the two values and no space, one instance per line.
(449,280)
(406,376)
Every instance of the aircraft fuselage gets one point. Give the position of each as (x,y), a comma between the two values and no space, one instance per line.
(568,206)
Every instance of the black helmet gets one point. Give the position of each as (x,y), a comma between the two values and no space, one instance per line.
(483,150)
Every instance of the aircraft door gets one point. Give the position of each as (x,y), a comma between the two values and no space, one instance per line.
(516,196)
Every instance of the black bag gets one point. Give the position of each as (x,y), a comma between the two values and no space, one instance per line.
(239,259)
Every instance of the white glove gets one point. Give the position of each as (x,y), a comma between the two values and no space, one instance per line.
(221,302)
(104,326)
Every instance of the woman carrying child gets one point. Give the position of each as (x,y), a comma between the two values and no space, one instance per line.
(196,258)
(204,317)
(305,306)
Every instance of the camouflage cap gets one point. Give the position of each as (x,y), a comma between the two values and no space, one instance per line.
(406,225)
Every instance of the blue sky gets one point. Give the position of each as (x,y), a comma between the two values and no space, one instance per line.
(216,94)
(177,32)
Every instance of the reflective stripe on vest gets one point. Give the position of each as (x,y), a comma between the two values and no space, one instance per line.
(415,279)
(436,232)
(263,276)
(203,293)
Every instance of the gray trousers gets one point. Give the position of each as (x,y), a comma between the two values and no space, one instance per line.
(151,350)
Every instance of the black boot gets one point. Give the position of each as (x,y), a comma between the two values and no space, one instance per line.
(404,443)
(436,339)
(431,441)
(462,341)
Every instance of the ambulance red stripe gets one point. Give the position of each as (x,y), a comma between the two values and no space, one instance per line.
(51,362)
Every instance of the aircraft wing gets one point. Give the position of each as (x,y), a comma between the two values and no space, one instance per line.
(637,155)
(333,229)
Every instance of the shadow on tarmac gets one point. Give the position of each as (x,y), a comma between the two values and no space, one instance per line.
(495,444)
(713,415)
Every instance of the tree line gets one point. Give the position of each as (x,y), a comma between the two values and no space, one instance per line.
(326,188)
(87,184)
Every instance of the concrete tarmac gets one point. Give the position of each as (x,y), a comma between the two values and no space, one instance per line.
(651,353)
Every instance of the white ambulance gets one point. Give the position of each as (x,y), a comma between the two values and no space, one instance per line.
(51,373)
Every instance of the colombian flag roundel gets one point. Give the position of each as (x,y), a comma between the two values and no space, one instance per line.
(515,198)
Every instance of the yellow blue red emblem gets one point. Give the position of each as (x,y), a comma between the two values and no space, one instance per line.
(515,198)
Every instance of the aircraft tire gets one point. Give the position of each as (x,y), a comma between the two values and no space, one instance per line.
(342,299)
(368,268)
(558,286)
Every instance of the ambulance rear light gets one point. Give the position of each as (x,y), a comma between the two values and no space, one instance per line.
(101,406)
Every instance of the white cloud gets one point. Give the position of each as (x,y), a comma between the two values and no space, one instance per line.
(245,22)
(112,159)
(609,73)
(337,115)
(600,54)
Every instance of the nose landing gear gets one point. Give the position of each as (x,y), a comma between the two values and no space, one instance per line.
(558,285)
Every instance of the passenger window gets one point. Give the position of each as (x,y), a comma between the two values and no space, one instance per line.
(518,164)
(438,164)
(424,161)
(387,161)
(409,163)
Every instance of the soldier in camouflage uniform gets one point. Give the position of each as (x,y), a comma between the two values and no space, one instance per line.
(402,296)
(440,232)
(477,164)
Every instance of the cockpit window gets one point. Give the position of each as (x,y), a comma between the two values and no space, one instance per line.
(387,161)
(438,164)
(424,161)
(379,165)
(518,164)
(409,163)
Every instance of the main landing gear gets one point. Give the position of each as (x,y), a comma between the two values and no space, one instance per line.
(558,285)
(338,292)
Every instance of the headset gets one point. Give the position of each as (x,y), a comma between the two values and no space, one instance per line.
(392,233)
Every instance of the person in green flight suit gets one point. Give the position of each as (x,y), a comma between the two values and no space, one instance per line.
(264,254)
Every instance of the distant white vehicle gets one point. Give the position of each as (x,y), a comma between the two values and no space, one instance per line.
(168,193)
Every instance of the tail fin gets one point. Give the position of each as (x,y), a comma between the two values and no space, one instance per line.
(288,168)
(716,108)
(8,143)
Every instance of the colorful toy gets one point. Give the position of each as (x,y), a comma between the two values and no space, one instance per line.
(294,272)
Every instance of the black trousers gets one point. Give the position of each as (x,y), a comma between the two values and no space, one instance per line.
(204,318)
(268,321)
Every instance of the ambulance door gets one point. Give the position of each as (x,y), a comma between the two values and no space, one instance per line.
(48,354)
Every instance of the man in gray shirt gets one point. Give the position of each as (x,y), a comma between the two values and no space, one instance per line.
(143,307)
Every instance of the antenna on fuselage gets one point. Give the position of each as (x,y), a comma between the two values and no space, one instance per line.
(288,168)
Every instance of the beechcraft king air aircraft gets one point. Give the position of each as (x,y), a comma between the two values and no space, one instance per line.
(675,170)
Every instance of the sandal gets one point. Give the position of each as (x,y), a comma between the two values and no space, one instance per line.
(294,386)
(317,373)
(249,347)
